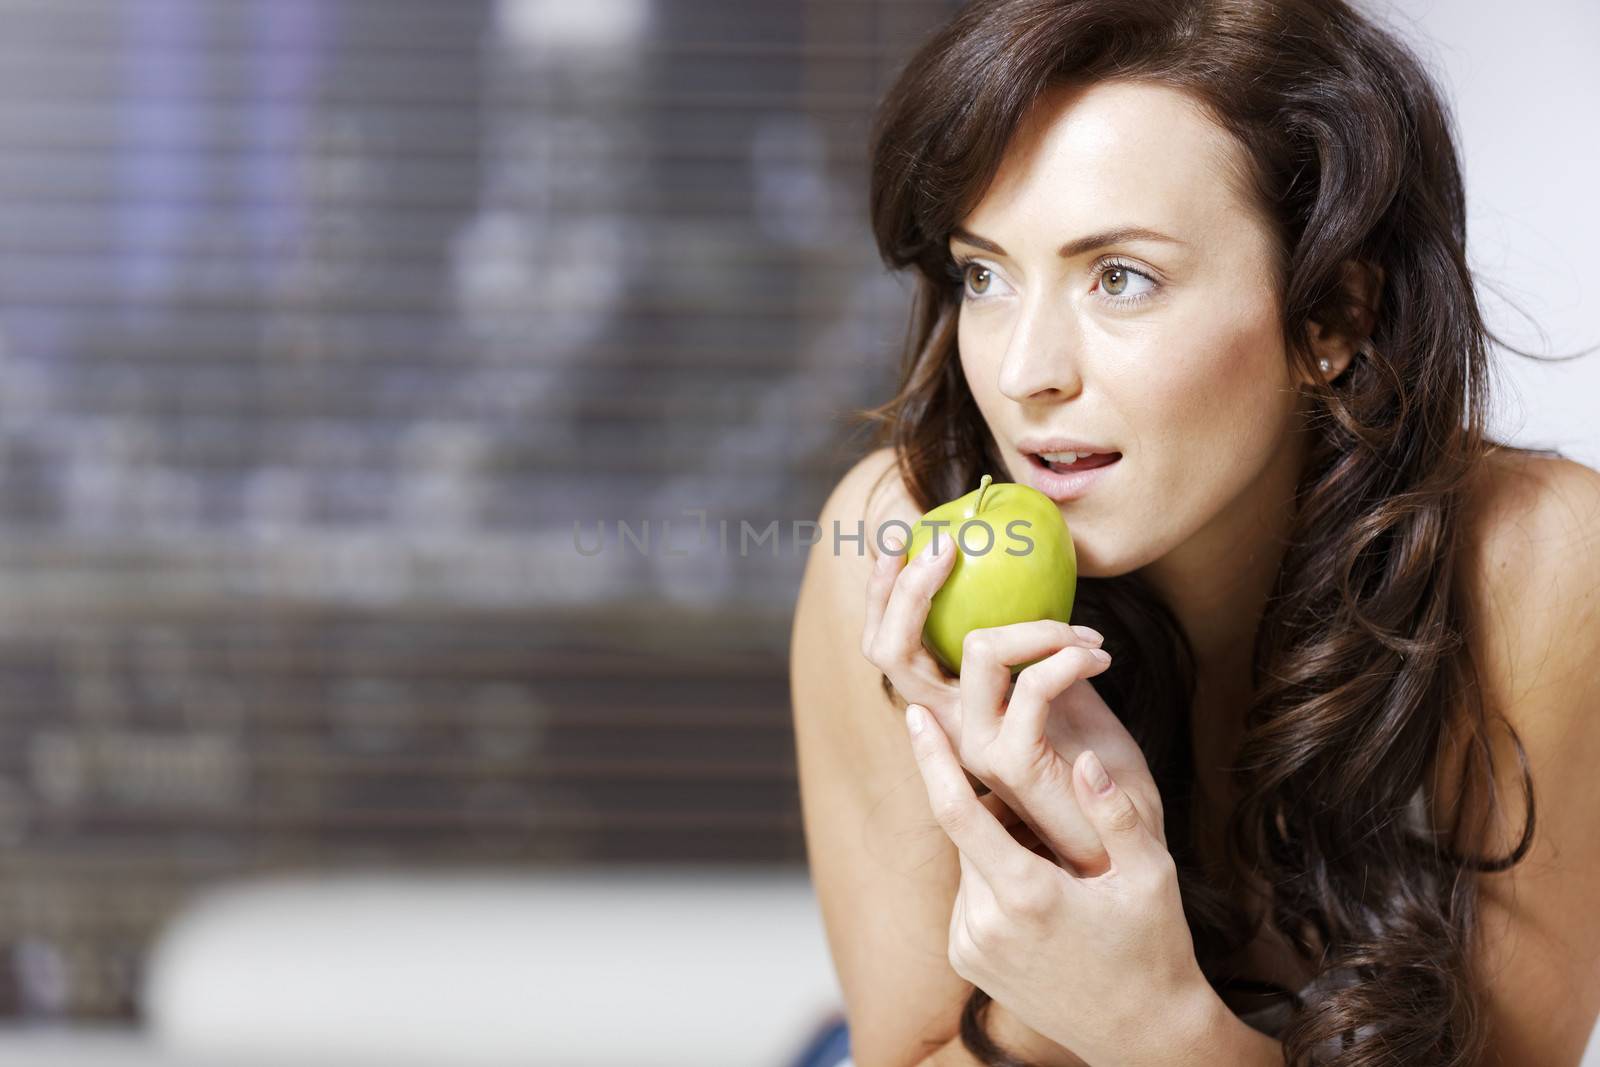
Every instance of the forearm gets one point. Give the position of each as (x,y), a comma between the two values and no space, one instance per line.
(1219,1036)
(1222,1037)
(1013,1037)
(951,1054)
(954,1054)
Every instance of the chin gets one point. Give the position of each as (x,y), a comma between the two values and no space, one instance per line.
(1095,563)
(1091,564)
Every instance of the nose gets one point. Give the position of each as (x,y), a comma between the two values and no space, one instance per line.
(1042,359)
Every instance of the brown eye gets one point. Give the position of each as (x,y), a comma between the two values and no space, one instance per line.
(973,271)
(1114,280)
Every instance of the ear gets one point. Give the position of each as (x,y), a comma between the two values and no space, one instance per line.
(1349,316)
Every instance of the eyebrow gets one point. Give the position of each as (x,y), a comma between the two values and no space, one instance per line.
(1079,247)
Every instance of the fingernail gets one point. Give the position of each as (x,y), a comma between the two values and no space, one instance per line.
(1095,772)
(1089,634)
(1100,654)
(894,542)
(914,719)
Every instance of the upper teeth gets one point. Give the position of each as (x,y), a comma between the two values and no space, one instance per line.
(1063,457)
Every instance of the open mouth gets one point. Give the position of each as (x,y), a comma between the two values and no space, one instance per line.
(1072,463)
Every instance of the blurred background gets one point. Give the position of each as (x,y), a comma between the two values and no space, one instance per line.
(336,336)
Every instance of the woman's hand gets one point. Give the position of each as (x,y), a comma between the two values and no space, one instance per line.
(1061,713)
(1103,965)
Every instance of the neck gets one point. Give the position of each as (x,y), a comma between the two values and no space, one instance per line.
(1217,584)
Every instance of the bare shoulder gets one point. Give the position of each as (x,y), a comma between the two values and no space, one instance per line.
(1532,602)
(1531,586)
(1531,549)
(867,495)
(873,493)
(828,674)
(885,875)
(1519,500)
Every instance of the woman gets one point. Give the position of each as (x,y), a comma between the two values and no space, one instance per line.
(1213,249)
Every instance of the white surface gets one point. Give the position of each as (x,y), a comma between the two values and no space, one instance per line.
(578,970)
(106,1046)
(1523,85)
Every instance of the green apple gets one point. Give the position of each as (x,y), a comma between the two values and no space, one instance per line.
(1015,564)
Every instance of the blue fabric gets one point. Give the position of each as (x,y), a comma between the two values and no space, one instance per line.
(829,1048)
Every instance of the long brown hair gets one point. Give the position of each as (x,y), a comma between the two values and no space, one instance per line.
(1360,664)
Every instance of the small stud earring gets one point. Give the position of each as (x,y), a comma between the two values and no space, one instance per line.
(1324,366)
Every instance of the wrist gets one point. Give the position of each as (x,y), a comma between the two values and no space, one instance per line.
(1021,1040)
(1208,1032)
(1204,1024)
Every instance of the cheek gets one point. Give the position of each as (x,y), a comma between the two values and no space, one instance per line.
(1225,395)
(981,368)
(1206,416)
(975,363)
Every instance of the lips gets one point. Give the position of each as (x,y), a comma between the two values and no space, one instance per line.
(1067,482)
(1046,445)
(1082,463)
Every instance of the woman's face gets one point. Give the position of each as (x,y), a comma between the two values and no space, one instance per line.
(1167,349)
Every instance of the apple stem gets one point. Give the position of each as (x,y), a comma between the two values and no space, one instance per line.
(983,487)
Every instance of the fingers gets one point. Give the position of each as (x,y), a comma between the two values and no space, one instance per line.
(977,834)
(1031,765)
(987,656)
(1029,710)
(884,572)
(900,655)
(998,808)
(1016,826)
(899,637)
(1132,846)
(897,610)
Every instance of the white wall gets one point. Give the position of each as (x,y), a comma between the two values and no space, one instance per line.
(1524,87)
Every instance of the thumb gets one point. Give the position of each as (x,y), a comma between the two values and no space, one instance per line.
(1109,807)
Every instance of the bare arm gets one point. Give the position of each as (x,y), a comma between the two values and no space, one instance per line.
(1014,1038)
(884,872)
(1222,1037)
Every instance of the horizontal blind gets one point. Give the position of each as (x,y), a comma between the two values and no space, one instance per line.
(326,327)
